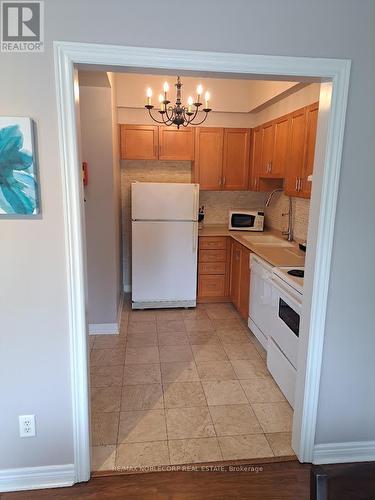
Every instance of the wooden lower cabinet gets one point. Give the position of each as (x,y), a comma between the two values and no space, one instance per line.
(240,278)
(213,269)
(211,286)
(223,272)
(235,269)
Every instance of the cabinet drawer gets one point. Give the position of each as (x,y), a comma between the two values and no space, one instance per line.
(211,286)
(212,268)
(212,255)
(210,242)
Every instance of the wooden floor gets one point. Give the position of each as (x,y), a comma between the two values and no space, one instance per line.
(277,481)
(267,481)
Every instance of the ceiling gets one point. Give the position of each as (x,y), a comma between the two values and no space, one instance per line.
(93,79)
(227,95)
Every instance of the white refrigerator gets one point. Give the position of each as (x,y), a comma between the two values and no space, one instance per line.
(164,244)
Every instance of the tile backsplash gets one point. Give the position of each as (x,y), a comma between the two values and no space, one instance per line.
(280,205)
(218,203)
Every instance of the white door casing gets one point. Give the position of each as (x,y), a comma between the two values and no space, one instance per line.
(327,164)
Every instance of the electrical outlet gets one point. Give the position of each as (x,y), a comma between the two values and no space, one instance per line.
(27,425)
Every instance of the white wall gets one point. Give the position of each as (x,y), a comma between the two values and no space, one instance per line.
(214,119)
(231,117)
(33,292)
(307,95)
(101,195)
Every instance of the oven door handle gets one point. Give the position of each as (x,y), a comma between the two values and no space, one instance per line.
(288,294)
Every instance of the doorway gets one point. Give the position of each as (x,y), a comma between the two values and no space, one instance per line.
(327,165)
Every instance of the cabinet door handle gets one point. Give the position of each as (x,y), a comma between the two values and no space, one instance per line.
(224,180)
(270,166)
(299,184)
(220,181)
(296,188)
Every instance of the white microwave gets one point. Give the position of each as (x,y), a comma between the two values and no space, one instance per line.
(246,220)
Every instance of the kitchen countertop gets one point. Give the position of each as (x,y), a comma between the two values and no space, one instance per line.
(276,255)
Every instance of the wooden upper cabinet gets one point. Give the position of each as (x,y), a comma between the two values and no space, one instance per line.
(208,158)
(236,159)
(176,144)
(268,140)
(280,148)
(296,152)
(308,167)
(139,142)
(256,157)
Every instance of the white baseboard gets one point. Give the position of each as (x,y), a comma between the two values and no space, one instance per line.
(108,328)
(33,478)
(336,453)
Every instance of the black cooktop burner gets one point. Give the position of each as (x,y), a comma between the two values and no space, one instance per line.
(299,273)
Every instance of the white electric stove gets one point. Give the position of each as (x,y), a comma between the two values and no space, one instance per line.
(293,276)
(283,339)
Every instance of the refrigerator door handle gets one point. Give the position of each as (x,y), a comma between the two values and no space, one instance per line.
(195,237)
(196,202)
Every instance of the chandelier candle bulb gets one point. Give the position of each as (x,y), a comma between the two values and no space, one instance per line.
(199,92)
(190,103)
(207,99)
(149,95)
(161,102)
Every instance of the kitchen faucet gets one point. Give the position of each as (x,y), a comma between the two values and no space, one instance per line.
(289,232)
(270,196)
(289,213)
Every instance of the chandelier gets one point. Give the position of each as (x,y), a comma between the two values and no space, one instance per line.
(179,114)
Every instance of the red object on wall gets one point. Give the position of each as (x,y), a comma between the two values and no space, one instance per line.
(85,173)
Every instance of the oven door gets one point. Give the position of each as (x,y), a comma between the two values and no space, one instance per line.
(242,221)
(286,316)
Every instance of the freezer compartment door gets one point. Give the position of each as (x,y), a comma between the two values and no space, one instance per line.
(165,201)
(164,261)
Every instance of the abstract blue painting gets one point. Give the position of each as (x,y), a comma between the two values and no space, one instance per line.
(18,174)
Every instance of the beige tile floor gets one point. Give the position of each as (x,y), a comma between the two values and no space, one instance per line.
(183,386)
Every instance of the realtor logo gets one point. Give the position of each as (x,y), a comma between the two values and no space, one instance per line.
(22,26)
